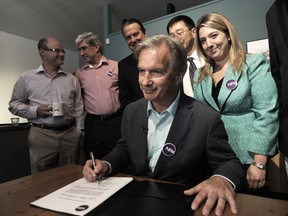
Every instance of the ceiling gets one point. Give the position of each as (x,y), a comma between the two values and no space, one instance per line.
(66,19)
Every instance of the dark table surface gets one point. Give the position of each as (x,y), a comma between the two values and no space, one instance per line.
(16,196)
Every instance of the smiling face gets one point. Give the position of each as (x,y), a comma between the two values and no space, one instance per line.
(215,43)
(53,54)
(158,82)
(133,35)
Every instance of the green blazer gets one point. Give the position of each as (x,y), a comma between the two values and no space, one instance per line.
(249,111)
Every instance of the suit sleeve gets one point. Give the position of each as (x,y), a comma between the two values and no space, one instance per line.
(119,157)
(221,158)
(125,96)
(265,107)
(273,54)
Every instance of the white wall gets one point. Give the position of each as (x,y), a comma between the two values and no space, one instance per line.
(18,54)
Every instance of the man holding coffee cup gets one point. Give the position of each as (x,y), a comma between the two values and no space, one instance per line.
(51,100)
(57,109)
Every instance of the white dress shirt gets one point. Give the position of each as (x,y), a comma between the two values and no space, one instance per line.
(186,79)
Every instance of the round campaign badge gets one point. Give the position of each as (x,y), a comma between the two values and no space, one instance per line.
(109,73)
(169,149)
(231,84)
(82,208)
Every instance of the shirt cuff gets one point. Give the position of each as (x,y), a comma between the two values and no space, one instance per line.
(234,186)
(109,168)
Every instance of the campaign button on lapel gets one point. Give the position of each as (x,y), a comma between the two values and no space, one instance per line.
(231,84)
(169,149)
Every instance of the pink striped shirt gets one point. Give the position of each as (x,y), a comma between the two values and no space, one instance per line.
(100,87)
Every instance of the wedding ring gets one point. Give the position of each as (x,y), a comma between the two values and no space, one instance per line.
(222,198)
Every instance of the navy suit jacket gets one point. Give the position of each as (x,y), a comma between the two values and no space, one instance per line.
(201,144)
(277,26)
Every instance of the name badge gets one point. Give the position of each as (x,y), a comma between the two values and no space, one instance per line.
(169,149)
(231,84)
(109,73)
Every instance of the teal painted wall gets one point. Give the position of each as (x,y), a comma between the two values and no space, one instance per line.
(248,16)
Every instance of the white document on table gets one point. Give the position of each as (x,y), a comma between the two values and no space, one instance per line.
(80,197)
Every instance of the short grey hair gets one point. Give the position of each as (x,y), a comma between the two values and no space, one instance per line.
(91,38)
(178,57)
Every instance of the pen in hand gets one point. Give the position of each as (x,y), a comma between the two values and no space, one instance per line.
(98,178)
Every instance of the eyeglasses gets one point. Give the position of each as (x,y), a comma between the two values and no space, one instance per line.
(179,33)
(58,51)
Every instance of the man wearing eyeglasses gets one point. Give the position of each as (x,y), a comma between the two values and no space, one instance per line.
(99,81)
(183,28)
(133,32)
(54,137)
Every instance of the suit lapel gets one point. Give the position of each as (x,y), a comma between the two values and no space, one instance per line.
(206,89)
(143,122)
(178,128)
(225,91)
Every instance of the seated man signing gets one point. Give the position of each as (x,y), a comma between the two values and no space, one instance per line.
(172,137)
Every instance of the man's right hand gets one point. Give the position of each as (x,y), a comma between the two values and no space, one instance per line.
(93,175)
(44,110)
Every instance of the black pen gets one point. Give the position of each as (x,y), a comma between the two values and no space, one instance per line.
(98,178)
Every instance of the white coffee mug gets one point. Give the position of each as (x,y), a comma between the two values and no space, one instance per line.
(57,109)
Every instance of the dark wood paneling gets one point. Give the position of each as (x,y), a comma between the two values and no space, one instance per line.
(14,153)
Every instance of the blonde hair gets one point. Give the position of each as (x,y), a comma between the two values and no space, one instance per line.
(236,54)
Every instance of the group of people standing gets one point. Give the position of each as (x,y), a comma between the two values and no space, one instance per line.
(140,115)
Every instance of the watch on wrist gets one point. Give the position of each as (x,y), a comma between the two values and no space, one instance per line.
(259,165)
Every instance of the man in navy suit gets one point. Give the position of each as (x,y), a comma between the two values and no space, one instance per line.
(170,136)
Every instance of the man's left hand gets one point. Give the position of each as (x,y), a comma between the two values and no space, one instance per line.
(215,190)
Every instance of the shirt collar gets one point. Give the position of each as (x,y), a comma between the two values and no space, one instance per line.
(194,56)
(41,69)
(171,109)
(103,60)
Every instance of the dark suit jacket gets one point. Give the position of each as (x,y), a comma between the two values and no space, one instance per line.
(200,139)
(129,89)
(277,26)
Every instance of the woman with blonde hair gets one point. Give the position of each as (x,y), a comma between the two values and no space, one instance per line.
(240,87)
